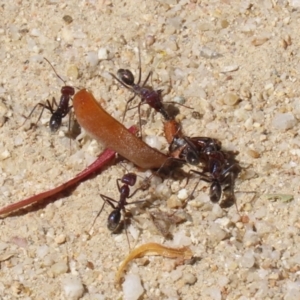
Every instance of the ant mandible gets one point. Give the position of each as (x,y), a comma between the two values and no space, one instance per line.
(62,109)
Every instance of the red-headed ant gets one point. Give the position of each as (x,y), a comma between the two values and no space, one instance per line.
(62,109)
(147,94)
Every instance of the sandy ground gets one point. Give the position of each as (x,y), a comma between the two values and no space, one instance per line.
(236,63)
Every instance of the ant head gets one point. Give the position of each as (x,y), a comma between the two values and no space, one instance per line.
(67,90)
(192,158)
(129,179)
(126,76)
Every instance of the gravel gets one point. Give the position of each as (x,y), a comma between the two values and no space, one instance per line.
(236,64)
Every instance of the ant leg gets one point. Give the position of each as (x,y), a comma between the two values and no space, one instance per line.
(98,214)
(140,119)
(47,106)
(127,104)
(173,102)
(140,67)
(106,200)
(147,78)
(202,177)
(109,200)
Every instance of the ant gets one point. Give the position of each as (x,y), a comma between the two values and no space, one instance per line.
(193,150)
(147,94)
(114,218)
(62,109)
(222,169)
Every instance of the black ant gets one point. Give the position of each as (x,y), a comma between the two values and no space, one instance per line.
(62,109)
(114,218)
(193,150)
(220,171)
(219,167)
(147,94)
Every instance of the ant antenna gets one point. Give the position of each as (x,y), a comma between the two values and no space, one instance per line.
(55,71)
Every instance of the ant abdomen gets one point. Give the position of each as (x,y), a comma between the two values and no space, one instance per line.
(113,220)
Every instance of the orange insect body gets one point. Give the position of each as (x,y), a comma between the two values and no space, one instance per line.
(107,130)
(153,249)
(171,129)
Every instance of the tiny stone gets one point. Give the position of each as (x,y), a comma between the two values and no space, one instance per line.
(59,268)
(176,274)
(196,115)
(189,278)
(72,72)
(284,121)
(60,239)
(247,260)
(102,54)
(4,155)
(68,19)
(73,287)
(231,99)
(179,99)
(132,287)
(182,194)
(208,53)
(253,153)
(150,40)
(173,202)
(42,251)
(92,58)
(231,68)
(251,238)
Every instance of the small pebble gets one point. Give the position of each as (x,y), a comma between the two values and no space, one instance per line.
(251,238)
(102,54)
(92,58)
(59,268)
(60,239)
(189,278)
(258,41)
(132,287)
(68,19)
(72,287)
(4,155)
(42,251)
(173,202)
(150,40)
(253,153)
(231,99)
(73,72)
(182,194)
(196,115)
(247,260)
(179,99)
(208,53)
(284,121)
(231,68)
